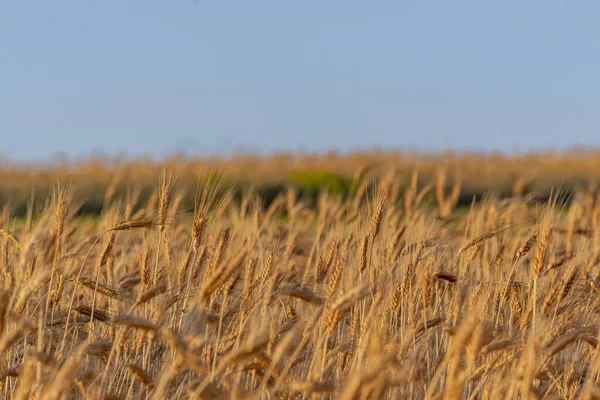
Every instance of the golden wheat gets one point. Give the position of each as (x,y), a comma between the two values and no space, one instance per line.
(384,294)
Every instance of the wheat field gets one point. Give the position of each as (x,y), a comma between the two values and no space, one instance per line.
(372,295)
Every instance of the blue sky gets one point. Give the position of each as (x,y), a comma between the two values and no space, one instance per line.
(154,77)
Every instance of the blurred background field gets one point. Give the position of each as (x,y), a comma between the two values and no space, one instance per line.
(478,175)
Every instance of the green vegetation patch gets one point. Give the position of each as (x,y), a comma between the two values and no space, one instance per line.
(315,181)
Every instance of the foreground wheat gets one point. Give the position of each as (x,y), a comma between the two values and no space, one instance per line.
(374,296)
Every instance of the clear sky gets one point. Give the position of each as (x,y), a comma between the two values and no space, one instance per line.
(154,77)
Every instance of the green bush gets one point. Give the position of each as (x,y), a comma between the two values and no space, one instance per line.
(315,181)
